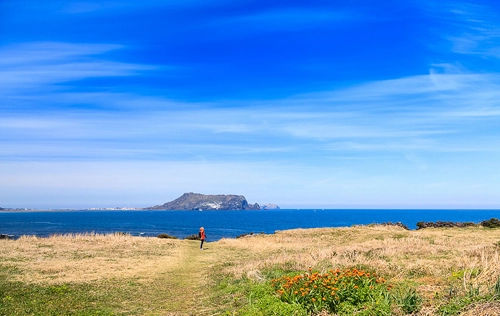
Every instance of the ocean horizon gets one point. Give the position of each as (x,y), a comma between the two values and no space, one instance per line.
(218,224)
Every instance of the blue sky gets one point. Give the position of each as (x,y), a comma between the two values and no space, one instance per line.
(319,104)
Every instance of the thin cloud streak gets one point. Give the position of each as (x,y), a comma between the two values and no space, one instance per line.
(417,107)
(147,100)
(29,68)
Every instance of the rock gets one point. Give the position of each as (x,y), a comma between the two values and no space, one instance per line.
(202,202)
(3,236)
(270,206)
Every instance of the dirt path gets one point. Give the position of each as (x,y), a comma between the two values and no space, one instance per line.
(186,277)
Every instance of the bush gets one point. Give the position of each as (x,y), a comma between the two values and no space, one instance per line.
(420,225)
(261,301)
(248,234)
(409,301)
(344,292)
(398,224)
(166,236)
(491,223)
(193,237)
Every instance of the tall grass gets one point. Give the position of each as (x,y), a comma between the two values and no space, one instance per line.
(84,257)
(433,271)
(92,274)
(428,262)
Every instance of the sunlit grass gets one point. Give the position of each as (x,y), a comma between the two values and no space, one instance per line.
(435,271)
(426,260)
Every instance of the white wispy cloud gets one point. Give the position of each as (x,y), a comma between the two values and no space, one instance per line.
(356,119)
(26,54)
(481,34)
(32,66)
(418,111)
(471,28)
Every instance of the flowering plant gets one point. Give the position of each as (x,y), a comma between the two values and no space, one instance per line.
(335,291)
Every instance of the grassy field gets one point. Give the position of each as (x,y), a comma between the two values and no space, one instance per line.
(446,271)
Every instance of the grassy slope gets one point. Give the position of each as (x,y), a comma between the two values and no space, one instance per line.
(123,275)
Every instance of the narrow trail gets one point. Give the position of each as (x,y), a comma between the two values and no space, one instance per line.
(186,278)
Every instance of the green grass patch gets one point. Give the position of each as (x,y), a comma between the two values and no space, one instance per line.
(340,292)
(17,298)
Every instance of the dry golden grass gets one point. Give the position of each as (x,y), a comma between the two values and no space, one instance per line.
(483,309)
(173,275)
(431,257)
(88,257)
(145,276)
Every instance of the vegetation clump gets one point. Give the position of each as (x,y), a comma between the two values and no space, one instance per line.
(248,234)
(396,224)
(121,234)
(491,223)
(192,237)
(441,224)
(166,236)
(344,292)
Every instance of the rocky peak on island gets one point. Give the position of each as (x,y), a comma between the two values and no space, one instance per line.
(270,206)
(197,201)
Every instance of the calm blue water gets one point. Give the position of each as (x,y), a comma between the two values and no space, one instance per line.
(218,224)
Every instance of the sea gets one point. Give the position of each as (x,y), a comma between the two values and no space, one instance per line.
(217,224)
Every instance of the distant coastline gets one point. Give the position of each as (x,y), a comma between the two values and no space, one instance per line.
(7,210)
(221,224)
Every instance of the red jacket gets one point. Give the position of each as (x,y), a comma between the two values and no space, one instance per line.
(202,235)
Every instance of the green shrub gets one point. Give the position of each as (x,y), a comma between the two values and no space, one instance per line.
(167,236)
(409,301)
(496,288)
(491,223)
(344,292)
(249,234)
(262,301)
(193,237)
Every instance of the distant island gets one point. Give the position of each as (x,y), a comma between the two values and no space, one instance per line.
(196,201)
(188,201)
(270,206)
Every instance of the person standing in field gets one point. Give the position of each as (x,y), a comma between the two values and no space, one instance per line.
(202,236)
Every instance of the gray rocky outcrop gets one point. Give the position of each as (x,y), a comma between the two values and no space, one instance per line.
(197,201)
(270,206)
